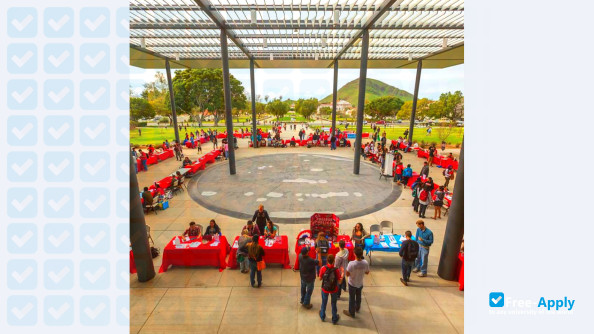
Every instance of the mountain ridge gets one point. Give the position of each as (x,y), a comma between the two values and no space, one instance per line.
(373,90)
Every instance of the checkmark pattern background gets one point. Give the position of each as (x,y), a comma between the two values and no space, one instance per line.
(64,168)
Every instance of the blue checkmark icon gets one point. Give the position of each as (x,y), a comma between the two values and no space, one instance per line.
(496,299)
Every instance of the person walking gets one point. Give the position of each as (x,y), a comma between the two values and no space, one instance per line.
(424,237)
(406,175)
(199,146)
(341,260)
(242,251)
(448,174)
(330,277)
(261,218)
(409,250)
(355,273)
(307,272)
(177,150)
(255,254)
(431,155)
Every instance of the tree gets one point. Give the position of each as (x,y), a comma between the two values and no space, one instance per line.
(421,112)
(140,108)
(383,107)
(201,90)
(325,110)
(306,108)
(157,94)
(452,107)
(260,109)
(277,108)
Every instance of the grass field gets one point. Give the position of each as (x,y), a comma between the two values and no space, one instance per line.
(157,136)
(419,134)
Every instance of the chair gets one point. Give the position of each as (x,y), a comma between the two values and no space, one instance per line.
(201,229)
(387,225)
(447,209)
(277,230)
(149,207)
(375,228)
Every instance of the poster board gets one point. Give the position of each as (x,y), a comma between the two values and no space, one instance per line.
(327,222)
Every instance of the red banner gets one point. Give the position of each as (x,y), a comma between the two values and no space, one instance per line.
(324,222)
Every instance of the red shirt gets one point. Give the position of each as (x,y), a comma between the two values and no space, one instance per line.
(399,169)
(323,270)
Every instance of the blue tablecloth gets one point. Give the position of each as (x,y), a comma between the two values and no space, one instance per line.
(369,246)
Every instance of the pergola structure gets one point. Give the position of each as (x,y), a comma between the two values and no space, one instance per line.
(391,34)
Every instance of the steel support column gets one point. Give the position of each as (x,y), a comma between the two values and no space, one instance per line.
(361,100)
(253,92)
(334,97)
(138,235)
(454,233)
(415,98)
(227,93)
(171,99)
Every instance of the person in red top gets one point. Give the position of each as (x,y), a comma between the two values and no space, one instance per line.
(331,278)
(143,158)
(398,174)
(151,150)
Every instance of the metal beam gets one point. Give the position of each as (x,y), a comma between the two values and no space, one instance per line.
(384,7)
(253,93)
(334,97)
(227,93)
(270,8)
(271,47)
(290,25)
(155,54)
(454,233)
(302,35)
(172,99)
(141,249)
(414,104)
(361,100)
(220,22)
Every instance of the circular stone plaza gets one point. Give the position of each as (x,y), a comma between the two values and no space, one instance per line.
(291,183)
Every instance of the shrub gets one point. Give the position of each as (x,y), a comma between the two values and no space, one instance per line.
(164,121)
(141,124)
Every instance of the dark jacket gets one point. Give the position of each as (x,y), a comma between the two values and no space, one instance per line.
(260,218)
(404,249)
(425,170)
(307,268)
(258,256)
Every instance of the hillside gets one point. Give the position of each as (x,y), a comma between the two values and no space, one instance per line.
(373,90)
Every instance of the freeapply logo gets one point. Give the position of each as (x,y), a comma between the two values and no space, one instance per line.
(517,306)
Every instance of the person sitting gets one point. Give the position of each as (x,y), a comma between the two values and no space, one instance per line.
(451,156)
(270,231)
(160,192)
(293,143)
(187,162)
(358,236)
(147,197)
(251,228)
(212,229)
(193,231)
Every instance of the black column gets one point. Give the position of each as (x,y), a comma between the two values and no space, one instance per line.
(361,100)
(227,91)
(171,98)
(253,88)
(448,262)
(138,236)
(334,97)
(415,98)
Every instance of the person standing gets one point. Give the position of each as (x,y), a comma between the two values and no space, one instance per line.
(242,251)
(398,173)
(424,199)
(416,187)
(424,237)
(355,273)
(443,145)
(448,174)
(405,134)
(143,160)
(438,202)
(431,155)
(341,261)
(425,170)
(199,146)
(409,250)
(261,217)
(177,150)
(226,151)
(384,140)
(307,272)
(333,142)
(139,132)
(322,247)
(330,277)
(255,254)
(406,175)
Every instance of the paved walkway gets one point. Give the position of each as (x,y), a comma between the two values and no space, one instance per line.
(191,300)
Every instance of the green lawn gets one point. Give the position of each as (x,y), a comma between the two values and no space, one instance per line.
(156,136)
(419,134)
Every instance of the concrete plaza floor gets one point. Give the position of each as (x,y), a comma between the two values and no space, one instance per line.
(202,299)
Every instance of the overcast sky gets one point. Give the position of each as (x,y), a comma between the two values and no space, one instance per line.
(305,83)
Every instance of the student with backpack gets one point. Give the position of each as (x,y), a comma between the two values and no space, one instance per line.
(355,273)
(330,277)
(409,250)
(424,200)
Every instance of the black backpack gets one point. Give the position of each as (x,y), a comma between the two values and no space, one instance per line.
(154,252)
(329,280)
(413,250)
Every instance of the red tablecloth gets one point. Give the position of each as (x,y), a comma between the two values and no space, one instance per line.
(204,255)
(198,165)
(152,160)
(165,155)
(333,249)
(132,264)
(278,253)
